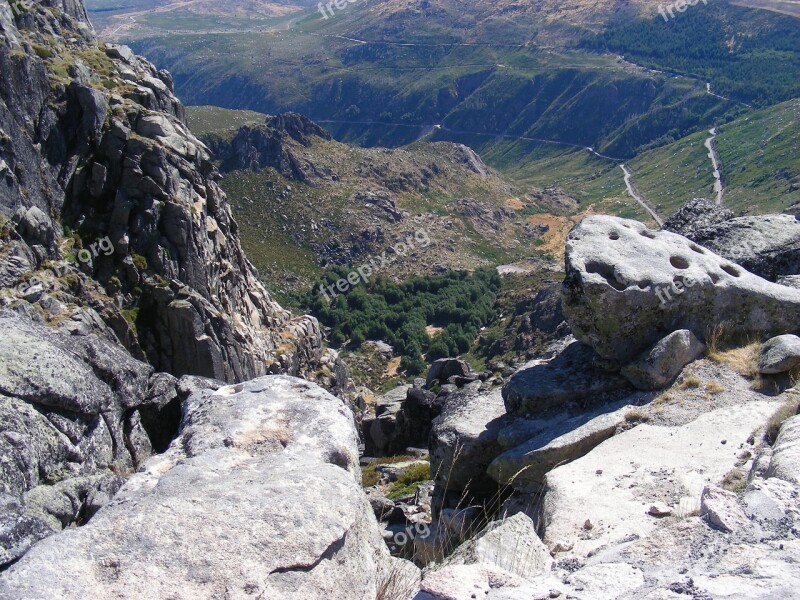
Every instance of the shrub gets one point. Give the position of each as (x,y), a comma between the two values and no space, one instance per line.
(140,262)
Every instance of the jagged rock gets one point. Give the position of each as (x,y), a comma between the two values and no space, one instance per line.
(122,163)
(464,441)
(779,355)
(767,245)
(785,462)
(572,375)
(444,368)
(525,466)
(792,281)
(71,409)
(721,509)
(259,495)
(627,287)
(270,145)
(696,216)
(660,366)
(614,484)
(382,201)
(772,500)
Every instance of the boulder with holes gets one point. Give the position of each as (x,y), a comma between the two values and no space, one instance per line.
(627,287)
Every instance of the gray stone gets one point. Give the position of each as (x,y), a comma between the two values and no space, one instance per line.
(628,287)
(445,368)
(767,245)
(464,441)
(721,509)
(511,544)
(525,466)
(785,462)
(660,366)
(779,355)
(572,375)
(259,495)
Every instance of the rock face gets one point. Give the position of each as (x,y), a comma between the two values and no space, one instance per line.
(105,151)
(269,145)
(785,463)
(524,467)
(258,496)
(627,287)
(614,485)
(661,365)
(697,216)
(75,413)
(464,441)
(779,355)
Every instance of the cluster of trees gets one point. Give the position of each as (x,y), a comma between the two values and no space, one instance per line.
(750,55)
(460,303)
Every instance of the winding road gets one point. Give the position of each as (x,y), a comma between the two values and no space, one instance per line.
(638,197)
(710,144)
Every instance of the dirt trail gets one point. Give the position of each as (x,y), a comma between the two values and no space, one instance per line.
(711,145)
(638,197)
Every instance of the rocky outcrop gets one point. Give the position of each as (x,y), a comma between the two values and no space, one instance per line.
(259,495)
(95,149)
(573,375)
(767,245)
(627,287)
(612,486)
(464,441)
(698,215)
(76,414)
(785,462)
(270,145)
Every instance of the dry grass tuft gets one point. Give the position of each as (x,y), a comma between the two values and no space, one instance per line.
(691,382)
(789,409)
(636,416)
(715,387)
(735,481)
(400,583)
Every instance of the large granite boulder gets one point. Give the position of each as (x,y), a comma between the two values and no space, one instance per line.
(627,287)
(259,496)
(464,441)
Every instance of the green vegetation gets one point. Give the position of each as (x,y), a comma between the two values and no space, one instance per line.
(409,481)
(750,55)
(760,168)
(459,302)
(369,473)
(221,122)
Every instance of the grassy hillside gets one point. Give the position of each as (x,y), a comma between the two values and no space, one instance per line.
(760,156)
